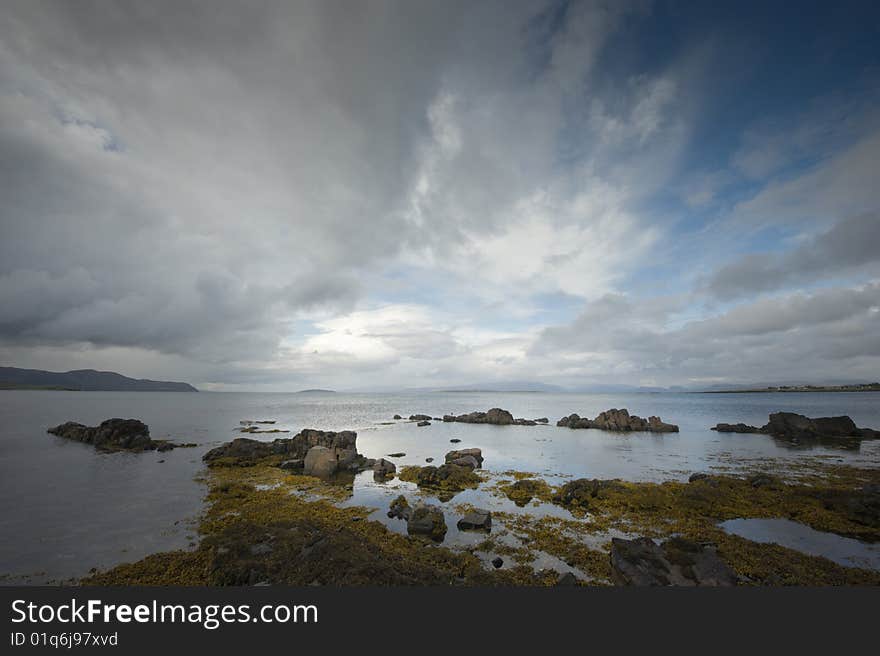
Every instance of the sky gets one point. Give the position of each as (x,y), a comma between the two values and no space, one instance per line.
(379,195)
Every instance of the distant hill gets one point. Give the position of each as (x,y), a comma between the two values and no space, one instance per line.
(84,380)
(316,391)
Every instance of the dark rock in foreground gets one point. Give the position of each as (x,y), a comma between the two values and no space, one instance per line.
(114,435)
(618,420)
(427,520)
(496,416)
(795,427)
(677,561)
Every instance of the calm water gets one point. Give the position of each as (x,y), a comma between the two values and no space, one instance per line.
(65,508)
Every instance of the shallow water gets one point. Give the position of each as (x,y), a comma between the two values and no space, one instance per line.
(65,508)
(794,535)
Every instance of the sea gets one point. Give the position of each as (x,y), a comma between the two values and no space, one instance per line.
(66,508)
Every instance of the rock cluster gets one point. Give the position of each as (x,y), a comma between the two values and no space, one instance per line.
(114,435)
(618,420)
(579,491)
(472,458)
(322,453)
(496,416)
(792,426)
(677,561)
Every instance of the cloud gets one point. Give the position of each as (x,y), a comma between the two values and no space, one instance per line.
(847,247)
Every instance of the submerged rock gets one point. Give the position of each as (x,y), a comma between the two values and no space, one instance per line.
(677,561)
(427,520)
(424,423)
(476,520)
(114,435)
(618,420)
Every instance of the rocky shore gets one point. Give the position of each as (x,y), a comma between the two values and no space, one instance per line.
(115,435)
(618,420)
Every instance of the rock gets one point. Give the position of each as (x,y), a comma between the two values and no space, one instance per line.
(497,563)
(245,452)
(429,460)
(455,440)
(384,467)
(579,491)
(420,417)
(427,520)
(735,428)
(620,421)
(396,455)
(399,508)
(523,491)
(466,461)
(476,454)
(788,425)
(496,416)
(677,561)
(698,476)
(542,420)
(292,464)
(397,417)
(567,579)
(476,520)
(448,477)
(423,423)
(320,461)
(113,435)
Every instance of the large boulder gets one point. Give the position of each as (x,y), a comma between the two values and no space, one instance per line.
(619,420)
(789,425)
(475,455)
(321,462)
(113,435)
(427,520)
(677,561)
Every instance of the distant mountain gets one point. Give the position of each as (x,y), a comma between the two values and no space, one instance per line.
(84,380)
(316,391)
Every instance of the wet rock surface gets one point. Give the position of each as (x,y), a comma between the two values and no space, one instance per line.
(678,562)
(114,435)
(465,457)
(619,421)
